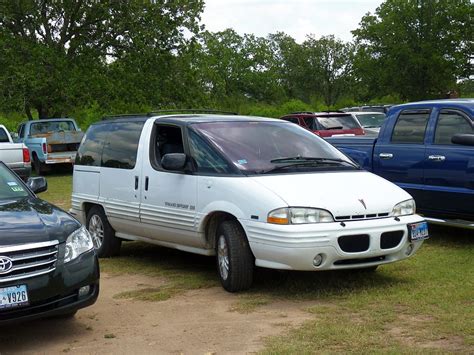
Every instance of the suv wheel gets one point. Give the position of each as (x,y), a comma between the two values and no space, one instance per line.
(103,235)
(235,261)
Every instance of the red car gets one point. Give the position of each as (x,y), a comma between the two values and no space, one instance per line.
(327,124)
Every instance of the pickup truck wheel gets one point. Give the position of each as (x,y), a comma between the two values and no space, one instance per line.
(38,166)
(235,262)
(105,242)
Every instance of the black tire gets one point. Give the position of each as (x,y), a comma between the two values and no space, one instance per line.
(37,166)
(240,260)
(110,244)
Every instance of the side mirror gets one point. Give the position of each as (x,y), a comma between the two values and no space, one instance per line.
(37,184)
(173,161)
(463,139)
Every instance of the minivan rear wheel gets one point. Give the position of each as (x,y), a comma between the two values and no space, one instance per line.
(103,236)
(235,262)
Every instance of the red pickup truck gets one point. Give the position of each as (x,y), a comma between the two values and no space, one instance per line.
(327,124)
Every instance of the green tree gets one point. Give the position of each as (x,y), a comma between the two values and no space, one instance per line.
(57,54)
(415,48)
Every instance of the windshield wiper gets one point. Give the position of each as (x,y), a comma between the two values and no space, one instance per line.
(305,161)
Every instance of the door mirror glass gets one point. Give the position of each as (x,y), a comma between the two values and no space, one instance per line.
(37,184)
(463,139)
(173,161)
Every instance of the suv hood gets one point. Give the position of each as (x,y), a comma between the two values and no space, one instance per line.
(31,220)
(341,193)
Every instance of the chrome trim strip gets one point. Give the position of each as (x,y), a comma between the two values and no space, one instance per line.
(32,256)
(451,222)
(20,247)
(25,276)
(31,265)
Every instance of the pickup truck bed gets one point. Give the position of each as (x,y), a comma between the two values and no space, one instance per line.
(427,148)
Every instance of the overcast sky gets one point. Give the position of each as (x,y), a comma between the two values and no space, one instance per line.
(294,17)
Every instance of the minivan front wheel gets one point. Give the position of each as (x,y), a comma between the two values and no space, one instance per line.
(102,233)
(235,262)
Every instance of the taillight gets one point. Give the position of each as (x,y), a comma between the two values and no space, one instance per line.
(44,148)
(26,156)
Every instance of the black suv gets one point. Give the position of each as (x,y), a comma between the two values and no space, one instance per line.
(48,266)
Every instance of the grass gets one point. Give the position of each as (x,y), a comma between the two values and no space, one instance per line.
(423,304)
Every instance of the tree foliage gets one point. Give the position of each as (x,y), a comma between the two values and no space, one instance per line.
(415,48)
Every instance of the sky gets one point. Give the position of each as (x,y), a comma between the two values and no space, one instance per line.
(296,18)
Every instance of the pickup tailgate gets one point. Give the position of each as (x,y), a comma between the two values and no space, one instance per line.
(12,154)
(360,149)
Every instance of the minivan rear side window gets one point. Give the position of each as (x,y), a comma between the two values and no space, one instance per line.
(90,150)
(121,146)
(410,127)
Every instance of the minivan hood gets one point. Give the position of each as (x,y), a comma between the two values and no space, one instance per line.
(31,220)
(342,193)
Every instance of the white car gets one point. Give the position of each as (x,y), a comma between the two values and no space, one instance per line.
(253,191)
(370,121)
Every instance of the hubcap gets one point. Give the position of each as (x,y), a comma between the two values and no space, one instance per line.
(96,229)
(223,257)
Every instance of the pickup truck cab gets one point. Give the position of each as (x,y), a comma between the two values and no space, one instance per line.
(15,155)
(427,148)
(253,191)
(327,124)
(50,141)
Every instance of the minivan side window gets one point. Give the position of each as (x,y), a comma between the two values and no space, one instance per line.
(208,161)
(121,146)
(451,123)
(90,150)
(410,127)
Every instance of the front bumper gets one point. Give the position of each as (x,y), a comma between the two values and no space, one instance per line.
(294,247)
(56,293)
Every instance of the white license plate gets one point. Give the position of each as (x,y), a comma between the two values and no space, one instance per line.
(418,231)
(14,296)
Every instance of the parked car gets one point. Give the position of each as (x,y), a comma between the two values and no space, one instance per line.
(14,155)
(48,266)
(370,121)
(253,191)
(368,108)
(326,124)
(427,148)
(50,141)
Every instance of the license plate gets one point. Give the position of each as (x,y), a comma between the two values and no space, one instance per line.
(15,296)
(418,231)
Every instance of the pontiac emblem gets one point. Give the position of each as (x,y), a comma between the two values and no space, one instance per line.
(363,203)
(6,264)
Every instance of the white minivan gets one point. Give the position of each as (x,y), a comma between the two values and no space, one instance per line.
(252,191)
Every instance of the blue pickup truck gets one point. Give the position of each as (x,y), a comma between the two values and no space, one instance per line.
(427,148)
(50,141)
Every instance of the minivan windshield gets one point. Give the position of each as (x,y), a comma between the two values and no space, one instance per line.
(10,185)
(371,120)
(265,146)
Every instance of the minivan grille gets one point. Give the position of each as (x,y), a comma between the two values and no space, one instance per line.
(361,216)
(27,260)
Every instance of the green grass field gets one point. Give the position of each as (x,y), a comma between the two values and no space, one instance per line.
(423,304)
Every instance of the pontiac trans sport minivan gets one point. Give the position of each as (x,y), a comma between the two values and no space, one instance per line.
(252,191)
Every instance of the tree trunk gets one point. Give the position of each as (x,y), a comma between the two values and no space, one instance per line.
(28,112)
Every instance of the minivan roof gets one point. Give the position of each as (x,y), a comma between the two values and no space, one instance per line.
(188,118)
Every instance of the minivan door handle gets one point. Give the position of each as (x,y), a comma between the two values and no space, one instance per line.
(146,183)
(386,155)
(437,157)
(136,182)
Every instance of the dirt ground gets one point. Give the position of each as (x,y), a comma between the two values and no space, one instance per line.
(196,322)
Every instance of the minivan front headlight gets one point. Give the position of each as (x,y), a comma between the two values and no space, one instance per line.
(77,243)
(404,208)
(299,215)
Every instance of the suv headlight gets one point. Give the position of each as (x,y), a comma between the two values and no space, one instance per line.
(404,208)
(299,215)
(77,243)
